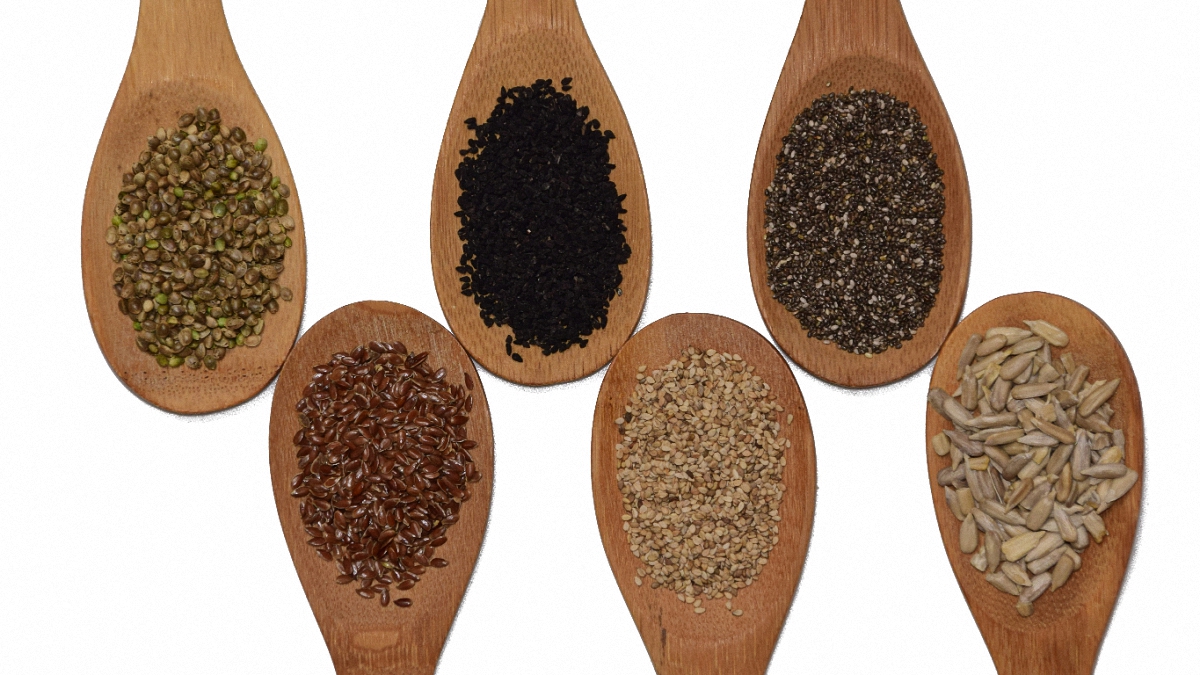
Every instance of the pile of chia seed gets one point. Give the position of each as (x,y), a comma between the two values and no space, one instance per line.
(854,222)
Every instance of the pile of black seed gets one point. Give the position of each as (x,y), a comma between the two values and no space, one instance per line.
(543,241)
(854,222)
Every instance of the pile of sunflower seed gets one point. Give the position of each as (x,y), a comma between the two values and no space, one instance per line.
(1033,460)
(199,234)
(700,468)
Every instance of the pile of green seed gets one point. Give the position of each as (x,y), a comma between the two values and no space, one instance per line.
(199,234)
(854,222)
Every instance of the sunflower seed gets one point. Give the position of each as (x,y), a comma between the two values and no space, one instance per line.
(1095,526)
(1052,334)
(1003,583)
(1120,486)
(1014,572)
(1059,434)
(1015,366)
(952,502)
(1016,548)
(966,501)
(979,560)
(1062,571)
(1011,335)
(1105,471)
(1065,527)
(969,351)
(1097,397)
(968,536)
(1049,560)
(1035,390)
(1048,543)
(1059,459)
(964,443)
(941,444)
(1038,585)
(990,346)
(1029,344)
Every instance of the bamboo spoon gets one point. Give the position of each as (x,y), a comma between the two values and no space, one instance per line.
(182,57)
(1063,636)
(364,638)
(681,642)
(864,44)
(521,41)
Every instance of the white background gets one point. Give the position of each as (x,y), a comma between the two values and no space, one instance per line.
(137,541)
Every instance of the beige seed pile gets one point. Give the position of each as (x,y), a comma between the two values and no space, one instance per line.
(700,468)
(1033,460)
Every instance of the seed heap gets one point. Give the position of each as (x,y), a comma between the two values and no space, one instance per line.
(853,222)
(543,241)
(700,468)
(199,234)
(1033,460)
(384,465)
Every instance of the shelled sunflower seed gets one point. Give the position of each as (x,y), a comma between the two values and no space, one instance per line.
(1034,461)
(199,235)
(700,469)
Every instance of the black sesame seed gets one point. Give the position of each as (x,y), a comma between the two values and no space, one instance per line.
(854,222)
(543,241)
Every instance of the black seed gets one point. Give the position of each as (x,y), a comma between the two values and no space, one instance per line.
(517,358)
(543,241)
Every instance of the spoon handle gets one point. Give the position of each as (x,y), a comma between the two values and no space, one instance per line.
(174,36)
(1054,650)
(832,28)
(386,652)
(504,17)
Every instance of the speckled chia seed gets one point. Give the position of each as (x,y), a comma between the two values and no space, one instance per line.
(854,222)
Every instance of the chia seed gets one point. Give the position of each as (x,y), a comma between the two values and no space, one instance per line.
(854,222)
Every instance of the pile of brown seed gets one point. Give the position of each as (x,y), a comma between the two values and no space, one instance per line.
(384,465)
(199,234)
(700,468)
(854,222)
(1033,460)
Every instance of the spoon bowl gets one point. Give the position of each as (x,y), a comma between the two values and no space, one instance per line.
(679,641)
(865,45)
(363,637)
(521,41)
(1064,634)
(182,57)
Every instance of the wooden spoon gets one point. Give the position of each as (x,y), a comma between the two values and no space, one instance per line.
(183,57)
(864,44)
(363,637)
(1063,636)
(521,41)
(716,642)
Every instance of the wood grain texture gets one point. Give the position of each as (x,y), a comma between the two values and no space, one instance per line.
(364,638)
(681,642)
(183,57)
(521,41)
(1064,634)
(864,44)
